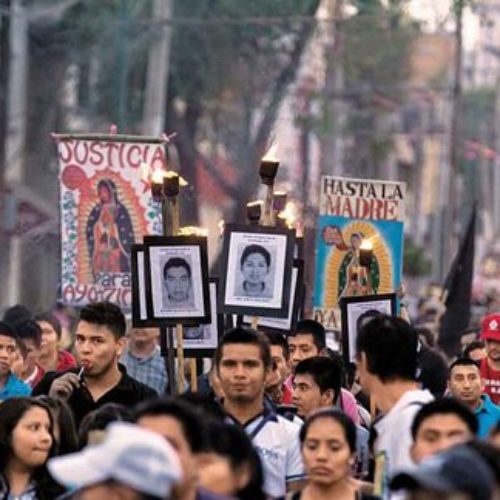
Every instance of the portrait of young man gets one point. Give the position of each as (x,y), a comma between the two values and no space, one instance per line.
(177,284)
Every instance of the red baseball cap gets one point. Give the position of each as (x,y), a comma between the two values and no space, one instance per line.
(490,327)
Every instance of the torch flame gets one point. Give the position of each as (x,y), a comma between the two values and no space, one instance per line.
(366,244)
(270,155)
(145,172)
(290,214)
(255,203)
(182,182)
(193,231)
(157,176)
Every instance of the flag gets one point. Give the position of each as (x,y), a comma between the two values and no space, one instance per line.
(457,292)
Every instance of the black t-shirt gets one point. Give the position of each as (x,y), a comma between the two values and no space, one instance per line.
(127,392)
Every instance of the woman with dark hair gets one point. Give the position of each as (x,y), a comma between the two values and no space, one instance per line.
(328,443)
(26,443)
(64,431)
(231,466)
(93,426)
(255,262)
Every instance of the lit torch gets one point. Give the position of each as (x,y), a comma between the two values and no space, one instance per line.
(254,212)
(157,184)
(269,166)
(267,171)
(365,253)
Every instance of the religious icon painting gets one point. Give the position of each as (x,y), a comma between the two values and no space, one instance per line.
(257,266)
(105,209)
(176,279)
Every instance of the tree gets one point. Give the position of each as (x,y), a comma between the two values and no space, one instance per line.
(232,63)
(376,45)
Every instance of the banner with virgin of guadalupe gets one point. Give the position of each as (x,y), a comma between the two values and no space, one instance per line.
(353,212)
(106,206)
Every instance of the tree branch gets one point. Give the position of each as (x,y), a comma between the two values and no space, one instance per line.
(286,77)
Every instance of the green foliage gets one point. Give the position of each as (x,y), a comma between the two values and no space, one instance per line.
(376,44)
(229,68)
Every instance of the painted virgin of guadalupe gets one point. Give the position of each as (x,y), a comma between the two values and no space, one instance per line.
(109,232)
(354,279)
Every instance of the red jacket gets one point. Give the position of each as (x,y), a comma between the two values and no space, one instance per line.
(65,361)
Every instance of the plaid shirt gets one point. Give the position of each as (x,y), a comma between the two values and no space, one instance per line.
(150,371)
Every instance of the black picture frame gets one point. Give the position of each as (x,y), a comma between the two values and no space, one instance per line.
(351,308)
(298,251)
(294,306)
(194,308)
(193,348)
(139,310)
(276,249)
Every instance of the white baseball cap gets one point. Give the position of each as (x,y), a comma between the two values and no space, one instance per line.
(129,454)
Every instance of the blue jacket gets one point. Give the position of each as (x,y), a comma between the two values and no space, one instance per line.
(14,388)
(488,415)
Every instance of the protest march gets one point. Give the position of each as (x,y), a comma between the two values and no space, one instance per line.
(249,250)
(180,384)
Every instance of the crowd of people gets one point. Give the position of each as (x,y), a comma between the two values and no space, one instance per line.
(275,416)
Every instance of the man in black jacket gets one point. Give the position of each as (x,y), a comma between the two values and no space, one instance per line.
(99,342)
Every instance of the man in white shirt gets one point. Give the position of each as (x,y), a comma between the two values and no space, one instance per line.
(243,362)
(387,364)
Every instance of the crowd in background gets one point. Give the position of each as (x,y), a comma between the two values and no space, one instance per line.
(86,412)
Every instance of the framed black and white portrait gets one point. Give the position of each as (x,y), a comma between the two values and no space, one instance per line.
(294,304)
(257,270)
(176,278)
(355,311)
(201,340)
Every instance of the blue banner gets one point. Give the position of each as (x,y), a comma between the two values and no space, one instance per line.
(357,256)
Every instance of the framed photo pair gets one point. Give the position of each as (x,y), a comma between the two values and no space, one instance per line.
(295,303)
(198,340)
(257,270)
(170,281)
(356,311)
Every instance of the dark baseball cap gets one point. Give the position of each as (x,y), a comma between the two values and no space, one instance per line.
(458,469)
